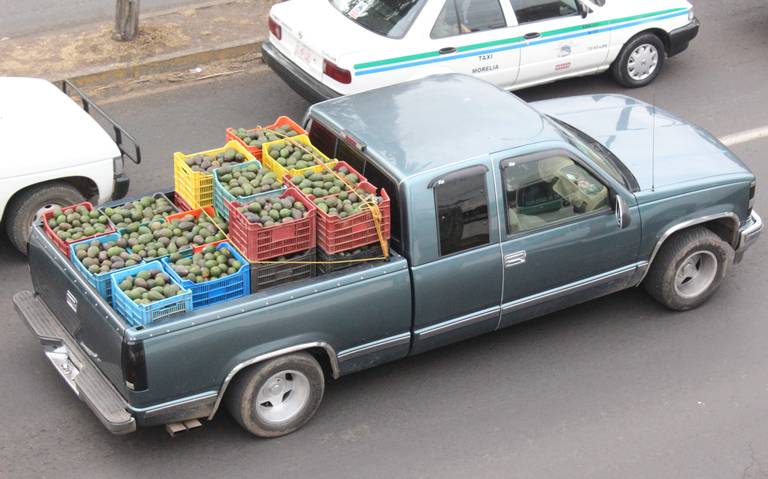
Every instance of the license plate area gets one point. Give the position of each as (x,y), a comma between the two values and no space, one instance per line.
(308,57)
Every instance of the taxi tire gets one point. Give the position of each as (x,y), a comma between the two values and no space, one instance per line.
(661,277)
(241,396)
(619,65)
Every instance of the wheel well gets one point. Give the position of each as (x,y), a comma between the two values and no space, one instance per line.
(663,36)
(86,186)
(725,228)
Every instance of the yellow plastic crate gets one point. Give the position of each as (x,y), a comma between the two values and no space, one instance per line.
(195,187)
(281,170)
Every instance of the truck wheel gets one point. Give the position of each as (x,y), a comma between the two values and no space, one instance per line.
(277,397)
(31,203)
(640,61)
(688,269)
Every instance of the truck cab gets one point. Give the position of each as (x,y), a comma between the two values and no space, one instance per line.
(59,153)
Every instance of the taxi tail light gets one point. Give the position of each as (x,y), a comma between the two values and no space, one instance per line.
(275,28)
(336,72)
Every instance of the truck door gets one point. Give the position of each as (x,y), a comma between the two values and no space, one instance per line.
(561,241)
(455,256)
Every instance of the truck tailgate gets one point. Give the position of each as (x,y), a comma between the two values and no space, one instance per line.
(86,316)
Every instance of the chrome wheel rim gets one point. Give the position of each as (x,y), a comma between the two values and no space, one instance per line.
(643,62)
(695,274)
(282,397)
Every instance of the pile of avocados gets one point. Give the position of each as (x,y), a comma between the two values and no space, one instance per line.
(149,286)
(326,183)
(269,211)
(77,222)
(247,179)
(346,204)
(258,136)
(207,163)
(161,238)
(98,257)
(207,265)
(289,155)
(145,209)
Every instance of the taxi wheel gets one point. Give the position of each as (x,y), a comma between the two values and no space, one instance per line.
(640,61)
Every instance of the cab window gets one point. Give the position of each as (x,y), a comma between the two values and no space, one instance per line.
(461,200)
(549,190)
(468,16)
(535,10)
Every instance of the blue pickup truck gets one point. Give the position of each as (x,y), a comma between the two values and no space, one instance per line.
(501,211)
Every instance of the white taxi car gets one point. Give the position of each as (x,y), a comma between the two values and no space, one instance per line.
(327,48)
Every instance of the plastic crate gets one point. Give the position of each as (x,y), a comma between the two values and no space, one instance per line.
(144,314)
(197,187)
(266,275)
(143,221)
(219,290)
(281,171)
(63,245)
(336,234)
(102,281)
(258,242)
(255,150)
(222,198)
(181,204)
(330,262)
(335,167)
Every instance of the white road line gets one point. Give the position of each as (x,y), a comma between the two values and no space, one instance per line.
(745,136)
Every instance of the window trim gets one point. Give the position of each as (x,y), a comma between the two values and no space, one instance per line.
(504,19)
(461,173)
(530,22)
(542,155)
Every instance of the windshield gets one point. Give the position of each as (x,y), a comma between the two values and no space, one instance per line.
(390,18)
(598,153)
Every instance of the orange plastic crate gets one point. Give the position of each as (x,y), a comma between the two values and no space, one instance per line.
(255,150)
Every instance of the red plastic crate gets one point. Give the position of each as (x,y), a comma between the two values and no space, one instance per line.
(194,212)
(336,234)
(62,244)
(334,167)
(181,204)
(259,243)
(255,150)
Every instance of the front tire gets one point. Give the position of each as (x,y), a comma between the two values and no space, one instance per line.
(277,397)
(688,269)
(27,205)
(640,61)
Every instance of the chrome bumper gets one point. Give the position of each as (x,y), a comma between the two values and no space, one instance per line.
(748,234)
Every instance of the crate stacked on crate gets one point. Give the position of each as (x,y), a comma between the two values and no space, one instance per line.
(253,139)
(294,156)
(273,226)
(193,174)
(242,183)
(70,224)
(147,293)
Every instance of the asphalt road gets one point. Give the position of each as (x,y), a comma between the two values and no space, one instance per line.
(619,387)
(36,16)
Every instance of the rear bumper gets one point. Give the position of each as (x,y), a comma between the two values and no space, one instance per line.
(300,81)
(681,37)
(748,234)
(74,365)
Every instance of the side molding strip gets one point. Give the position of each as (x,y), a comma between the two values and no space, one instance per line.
(374,346)
(457,323)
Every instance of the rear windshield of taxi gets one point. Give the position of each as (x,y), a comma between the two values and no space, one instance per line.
(389,18)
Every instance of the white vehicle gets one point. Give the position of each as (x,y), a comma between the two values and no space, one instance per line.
(327,48)
(54,153)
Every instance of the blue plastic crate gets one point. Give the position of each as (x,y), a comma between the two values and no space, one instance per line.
(102,281)
(219,290)
(144,314)
(222,197)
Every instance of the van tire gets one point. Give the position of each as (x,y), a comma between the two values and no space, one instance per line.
(666,280)
(297,405)
(620,66)
(24,207)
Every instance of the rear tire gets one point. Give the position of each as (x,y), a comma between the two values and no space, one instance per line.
(640,61)
(688,269)
(22,211)
(277,397)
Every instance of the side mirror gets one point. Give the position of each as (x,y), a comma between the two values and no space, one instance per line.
(583,9)
(623,218)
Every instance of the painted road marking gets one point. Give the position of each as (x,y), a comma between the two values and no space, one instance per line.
(745,136)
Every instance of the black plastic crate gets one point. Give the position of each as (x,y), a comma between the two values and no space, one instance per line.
(266,275)
(370,251)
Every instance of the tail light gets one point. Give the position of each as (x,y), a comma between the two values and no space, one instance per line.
(751,204)
(134,366)
(275,28)
(337,73)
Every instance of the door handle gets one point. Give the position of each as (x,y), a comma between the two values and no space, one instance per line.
(513,259)
(532,35)
(446,50)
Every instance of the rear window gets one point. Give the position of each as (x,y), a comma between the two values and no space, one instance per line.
(389,18)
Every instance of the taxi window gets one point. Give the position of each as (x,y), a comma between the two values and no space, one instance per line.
(390,18)
(535,10)
(468,16)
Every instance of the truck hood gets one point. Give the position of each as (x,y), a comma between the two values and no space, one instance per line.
(659,148)
(42,130)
